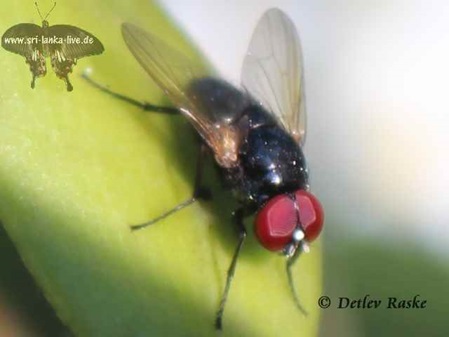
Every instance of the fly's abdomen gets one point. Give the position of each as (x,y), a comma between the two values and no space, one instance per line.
(223,102)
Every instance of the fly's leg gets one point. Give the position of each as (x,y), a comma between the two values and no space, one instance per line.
(290,262)
(143,105)
(238,218)
(199,192)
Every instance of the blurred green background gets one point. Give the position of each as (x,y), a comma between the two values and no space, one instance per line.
(23,308)
(360,268)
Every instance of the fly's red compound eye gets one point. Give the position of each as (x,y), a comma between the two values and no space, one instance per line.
(311,214)
(277,220)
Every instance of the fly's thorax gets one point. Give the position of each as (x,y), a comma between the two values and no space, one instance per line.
(270,161)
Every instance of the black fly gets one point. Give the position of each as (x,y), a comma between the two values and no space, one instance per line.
(255,134)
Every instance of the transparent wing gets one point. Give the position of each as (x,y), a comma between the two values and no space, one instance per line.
(175,74)
(272,71)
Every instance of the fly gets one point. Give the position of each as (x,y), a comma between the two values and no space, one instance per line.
(255,134)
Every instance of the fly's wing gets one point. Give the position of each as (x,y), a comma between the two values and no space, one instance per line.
(175,75)
(272,71)
(25,39)
(66,45)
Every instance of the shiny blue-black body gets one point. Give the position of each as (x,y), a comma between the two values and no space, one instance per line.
(270,162)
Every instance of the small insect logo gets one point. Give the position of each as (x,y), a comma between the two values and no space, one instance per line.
(64,44)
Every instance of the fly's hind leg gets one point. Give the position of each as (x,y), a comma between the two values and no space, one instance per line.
(143,105)
(199,192)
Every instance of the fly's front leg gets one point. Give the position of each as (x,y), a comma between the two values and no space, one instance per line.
(238,218)
(199,192)
(143,105)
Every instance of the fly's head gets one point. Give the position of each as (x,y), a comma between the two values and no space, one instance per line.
(288,222)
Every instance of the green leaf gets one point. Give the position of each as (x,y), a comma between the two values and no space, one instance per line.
(76,169)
